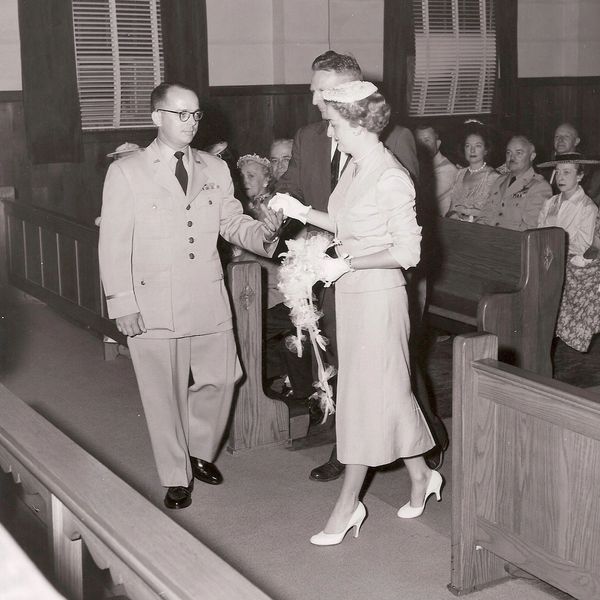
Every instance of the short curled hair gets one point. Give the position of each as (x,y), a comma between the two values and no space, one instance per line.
(372,113)
(263,162)
(339,63)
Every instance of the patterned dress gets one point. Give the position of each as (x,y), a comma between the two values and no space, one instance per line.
(579,313)
(378,418)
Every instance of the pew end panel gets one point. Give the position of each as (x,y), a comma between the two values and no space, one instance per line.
(258,420)
(524,320)
(500,281)
(526,454)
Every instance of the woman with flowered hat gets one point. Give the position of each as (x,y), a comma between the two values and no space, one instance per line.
(372,213)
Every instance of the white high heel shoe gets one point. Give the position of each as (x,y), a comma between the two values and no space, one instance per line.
(331,539)
(433,487)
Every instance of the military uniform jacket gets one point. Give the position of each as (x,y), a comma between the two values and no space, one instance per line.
(158,246)
(517,205)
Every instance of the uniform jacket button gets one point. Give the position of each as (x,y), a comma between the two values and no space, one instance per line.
(189,223)
(142,282)
(191,240)
(191,255)
(188,207)
(210,201)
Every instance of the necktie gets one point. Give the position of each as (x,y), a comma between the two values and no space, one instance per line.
(512,180)
(180,171)
(335,168)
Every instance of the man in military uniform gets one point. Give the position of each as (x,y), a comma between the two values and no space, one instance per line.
(516,198)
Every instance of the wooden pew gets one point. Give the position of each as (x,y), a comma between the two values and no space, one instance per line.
(500,281)
(86,508)
(525,486)
(55,260)
(258,420)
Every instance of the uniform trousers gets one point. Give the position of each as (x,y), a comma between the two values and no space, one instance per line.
(185,420)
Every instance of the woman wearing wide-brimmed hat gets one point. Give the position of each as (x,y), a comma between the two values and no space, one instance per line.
(573,211)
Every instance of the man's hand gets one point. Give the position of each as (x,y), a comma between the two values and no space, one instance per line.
(290,206)
(131,325)
(273,222)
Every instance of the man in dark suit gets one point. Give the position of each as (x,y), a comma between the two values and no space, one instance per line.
(312,174)
(162,211)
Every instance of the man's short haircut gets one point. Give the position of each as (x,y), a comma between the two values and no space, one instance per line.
(424,126)
(159,93)
(569,125)
(339,63)
(523,138)
(282,141)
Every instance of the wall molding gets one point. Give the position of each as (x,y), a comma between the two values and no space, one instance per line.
(259,90)
(558,81)
(11,96)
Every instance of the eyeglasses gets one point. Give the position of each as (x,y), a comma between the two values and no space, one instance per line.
(184,115)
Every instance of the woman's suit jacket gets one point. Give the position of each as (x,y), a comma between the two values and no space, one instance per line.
(158,246)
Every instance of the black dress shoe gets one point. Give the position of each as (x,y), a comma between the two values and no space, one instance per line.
(205,471)
(179,496)
(329,471)
(315,413)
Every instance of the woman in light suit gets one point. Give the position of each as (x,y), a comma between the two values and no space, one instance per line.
(372,213)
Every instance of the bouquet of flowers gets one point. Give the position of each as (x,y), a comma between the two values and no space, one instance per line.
(299,271)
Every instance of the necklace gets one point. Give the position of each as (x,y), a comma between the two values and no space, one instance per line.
(481,168)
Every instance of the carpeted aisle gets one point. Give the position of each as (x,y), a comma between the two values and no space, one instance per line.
(261,518)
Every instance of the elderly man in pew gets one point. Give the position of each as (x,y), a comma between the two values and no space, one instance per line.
(162,211)
(516,198)
(567,140)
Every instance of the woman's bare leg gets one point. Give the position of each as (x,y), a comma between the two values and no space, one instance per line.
(347,501)
(419,474)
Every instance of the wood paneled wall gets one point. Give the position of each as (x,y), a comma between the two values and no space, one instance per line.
(544,103)
(249,117)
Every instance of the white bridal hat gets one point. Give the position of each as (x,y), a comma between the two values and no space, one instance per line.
(350,92)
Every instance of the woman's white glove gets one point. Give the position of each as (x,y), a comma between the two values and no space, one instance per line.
(290,206)
(332,269)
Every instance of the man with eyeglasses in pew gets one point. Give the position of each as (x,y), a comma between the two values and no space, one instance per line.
(163,209)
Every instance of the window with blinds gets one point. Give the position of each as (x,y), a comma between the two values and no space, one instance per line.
(455,57)
(119,56)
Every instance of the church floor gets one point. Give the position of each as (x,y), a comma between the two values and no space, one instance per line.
(261,518)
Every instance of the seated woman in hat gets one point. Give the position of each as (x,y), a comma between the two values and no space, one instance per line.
(576,213)
(571,209)
(257,178)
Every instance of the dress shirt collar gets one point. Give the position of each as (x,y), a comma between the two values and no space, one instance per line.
(168,155)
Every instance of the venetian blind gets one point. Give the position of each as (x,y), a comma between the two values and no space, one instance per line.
(455,57)
(119,58)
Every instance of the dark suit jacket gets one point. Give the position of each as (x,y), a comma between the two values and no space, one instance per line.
(308,177)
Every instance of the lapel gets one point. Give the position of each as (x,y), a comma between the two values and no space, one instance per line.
(162,173)
(520,182)
(322,156)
